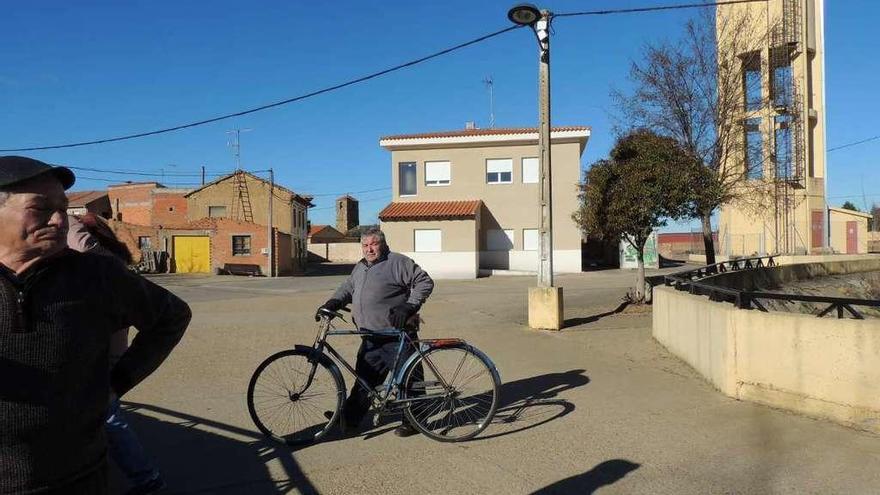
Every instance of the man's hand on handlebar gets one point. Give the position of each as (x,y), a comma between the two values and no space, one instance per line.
(330,305)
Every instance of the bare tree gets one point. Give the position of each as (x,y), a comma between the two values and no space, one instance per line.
(698,90)
(875,218)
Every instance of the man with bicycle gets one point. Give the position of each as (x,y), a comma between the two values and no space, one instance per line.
(386,291)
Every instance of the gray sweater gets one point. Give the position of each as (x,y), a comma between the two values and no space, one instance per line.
(373,289)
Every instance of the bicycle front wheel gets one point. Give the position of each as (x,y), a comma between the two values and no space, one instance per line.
(451,393)
(288,407)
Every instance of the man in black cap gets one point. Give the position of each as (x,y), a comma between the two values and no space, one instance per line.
(58,309)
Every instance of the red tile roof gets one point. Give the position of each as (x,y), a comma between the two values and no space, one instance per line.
(83,198)
(483,132)
(430,210)
(316,228)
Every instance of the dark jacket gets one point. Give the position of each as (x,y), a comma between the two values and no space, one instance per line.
(374,289)
(55,325)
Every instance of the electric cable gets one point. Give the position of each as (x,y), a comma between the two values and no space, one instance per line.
(274,104)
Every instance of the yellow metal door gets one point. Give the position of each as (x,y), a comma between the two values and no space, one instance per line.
(192,254)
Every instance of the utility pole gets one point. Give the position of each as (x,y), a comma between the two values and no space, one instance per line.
(546,308)
(271,238)
(545,269)
(203,175)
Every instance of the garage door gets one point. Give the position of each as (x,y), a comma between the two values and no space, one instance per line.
(192,254)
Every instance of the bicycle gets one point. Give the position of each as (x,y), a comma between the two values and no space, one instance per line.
(296,396)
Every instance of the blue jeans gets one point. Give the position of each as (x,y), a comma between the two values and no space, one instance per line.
(125,449)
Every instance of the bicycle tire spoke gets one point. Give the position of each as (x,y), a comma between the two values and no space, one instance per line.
(281,405)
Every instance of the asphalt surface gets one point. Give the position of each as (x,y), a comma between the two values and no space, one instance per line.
(597,408)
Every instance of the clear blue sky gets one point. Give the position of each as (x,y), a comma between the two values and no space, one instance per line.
(77,71)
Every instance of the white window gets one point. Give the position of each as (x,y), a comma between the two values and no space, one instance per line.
(499,171)
(499,240)
(438,173)
(217,211)
(427,241)
(531,241)
(530,170)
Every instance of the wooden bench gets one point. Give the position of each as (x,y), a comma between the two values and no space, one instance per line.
(242,269)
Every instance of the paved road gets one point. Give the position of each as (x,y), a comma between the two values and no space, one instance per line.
(599,408)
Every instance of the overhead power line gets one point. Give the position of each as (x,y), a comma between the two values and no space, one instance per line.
(654,9)
(349,192)
(275,104)
(121,181)
(365,200)
(847,145)
(147,174)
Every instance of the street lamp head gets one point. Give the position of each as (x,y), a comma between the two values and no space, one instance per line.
(524,14)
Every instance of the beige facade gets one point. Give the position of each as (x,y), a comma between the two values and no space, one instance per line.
(459,253)
(788,113)
(849,231)
(474,165)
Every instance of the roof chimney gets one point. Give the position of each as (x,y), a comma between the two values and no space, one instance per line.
(470,124)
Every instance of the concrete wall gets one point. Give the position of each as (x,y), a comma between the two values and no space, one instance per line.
(457,235)
(827,368)
(459,243)
(337,252)
(564,261)
(449,265)
(795,268)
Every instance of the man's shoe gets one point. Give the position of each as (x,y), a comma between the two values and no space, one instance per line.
(405,430)
(151,487)
(343,425)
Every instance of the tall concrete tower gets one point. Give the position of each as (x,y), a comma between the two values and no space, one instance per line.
(783,115)
(347,216)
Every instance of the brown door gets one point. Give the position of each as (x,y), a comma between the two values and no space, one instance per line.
(816,228)
(852,237)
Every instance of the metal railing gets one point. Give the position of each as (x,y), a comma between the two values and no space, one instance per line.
(693,282)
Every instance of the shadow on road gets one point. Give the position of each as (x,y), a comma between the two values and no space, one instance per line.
(603,474)
(573,322)
(328,269)
(198,455)
(533,401)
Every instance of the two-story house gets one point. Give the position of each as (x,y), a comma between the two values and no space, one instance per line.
(467,200)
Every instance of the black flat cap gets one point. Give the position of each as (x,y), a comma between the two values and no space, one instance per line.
(15,169)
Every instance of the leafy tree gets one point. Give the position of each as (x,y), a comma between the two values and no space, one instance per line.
(849,206)
(694,90)
(644,182)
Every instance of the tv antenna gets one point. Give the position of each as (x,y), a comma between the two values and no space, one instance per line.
(235,143)
(490,86)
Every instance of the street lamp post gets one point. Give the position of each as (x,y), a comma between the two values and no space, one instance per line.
(545,302)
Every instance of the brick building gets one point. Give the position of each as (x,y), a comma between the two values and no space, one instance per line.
(219,224)
(244,197)
(82,202)
(148,203)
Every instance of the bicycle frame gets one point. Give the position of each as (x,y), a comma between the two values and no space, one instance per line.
(395,374)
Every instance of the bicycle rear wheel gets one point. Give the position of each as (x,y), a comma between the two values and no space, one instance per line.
(451,393)
(285,406)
